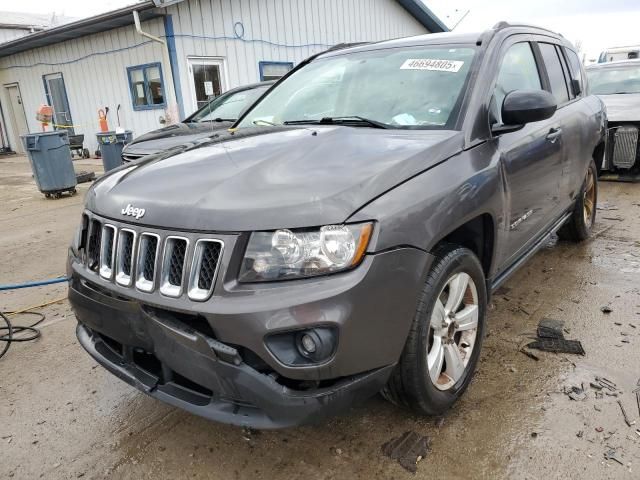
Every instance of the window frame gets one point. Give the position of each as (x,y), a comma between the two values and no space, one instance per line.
(147,89)
(583,76)
(266,63)
(546,70)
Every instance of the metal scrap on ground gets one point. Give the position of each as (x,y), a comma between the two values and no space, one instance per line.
(407,449)
(551,338)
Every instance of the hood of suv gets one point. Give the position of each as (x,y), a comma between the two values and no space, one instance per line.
(280,178)
(168,137)
(622,107)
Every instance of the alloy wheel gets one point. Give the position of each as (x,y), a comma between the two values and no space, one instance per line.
(589,199)
(453,331)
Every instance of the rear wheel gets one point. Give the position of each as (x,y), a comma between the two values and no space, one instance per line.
(580,224)
(444,343)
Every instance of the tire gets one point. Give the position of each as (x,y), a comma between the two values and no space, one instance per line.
(580,224)
(411,384)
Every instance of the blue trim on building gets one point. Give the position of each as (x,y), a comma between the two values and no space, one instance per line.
(147,91)
(264,63)
(173,60)
(425,16)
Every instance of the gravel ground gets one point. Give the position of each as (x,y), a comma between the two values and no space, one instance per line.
(63,416)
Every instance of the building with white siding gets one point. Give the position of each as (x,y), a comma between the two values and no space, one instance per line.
(149,76)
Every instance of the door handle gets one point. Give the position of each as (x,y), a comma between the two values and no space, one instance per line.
(554,134)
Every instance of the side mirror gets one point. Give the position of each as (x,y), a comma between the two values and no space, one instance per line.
(526,106)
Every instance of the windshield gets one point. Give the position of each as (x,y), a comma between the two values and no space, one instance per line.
(610,80)
(228,106)
(417,87)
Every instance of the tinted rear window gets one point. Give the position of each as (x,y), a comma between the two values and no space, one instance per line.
(555,73)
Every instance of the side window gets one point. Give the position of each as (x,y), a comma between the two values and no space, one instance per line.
(555,72)
(518,71)
(576,70)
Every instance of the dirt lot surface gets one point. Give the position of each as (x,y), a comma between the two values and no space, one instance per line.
(62,416)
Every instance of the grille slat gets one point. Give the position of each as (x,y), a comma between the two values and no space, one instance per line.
(147,259)
(150,259)
(173,266)
(126,243)
(133,254)
(107,250)
(93,252)
(206,260)
(176,262)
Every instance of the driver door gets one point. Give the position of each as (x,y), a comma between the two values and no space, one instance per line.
(530,158)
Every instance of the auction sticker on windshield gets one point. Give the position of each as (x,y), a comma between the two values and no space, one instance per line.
(432,64)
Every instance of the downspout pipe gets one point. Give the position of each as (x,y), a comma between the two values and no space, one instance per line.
(166,64)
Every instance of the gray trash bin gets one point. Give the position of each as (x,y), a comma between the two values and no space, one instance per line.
(51,164)
(111,145)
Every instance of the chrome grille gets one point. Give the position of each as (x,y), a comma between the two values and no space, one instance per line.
(93,250)
(149,261)
(126,242)
(204,269)
(625,145)
(107,250)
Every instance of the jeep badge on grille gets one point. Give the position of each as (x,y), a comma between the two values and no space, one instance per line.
(132,211)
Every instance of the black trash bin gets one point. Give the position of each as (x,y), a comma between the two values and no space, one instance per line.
(51,164)
(111,145)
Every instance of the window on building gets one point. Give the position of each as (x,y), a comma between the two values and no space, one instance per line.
(555,72)
(274,70)
(146,85)
(518,71)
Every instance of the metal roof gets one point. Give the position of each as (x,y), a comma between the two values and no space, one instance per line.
(31,21)
(147,10)
(86,26)
(425,16)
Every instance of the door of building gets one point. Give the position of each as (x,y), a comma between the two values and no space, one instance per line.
(57,98)
(17,116)
(207,79)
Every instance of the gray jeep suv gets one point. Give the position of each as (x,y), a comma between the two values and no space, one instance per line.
(344,237)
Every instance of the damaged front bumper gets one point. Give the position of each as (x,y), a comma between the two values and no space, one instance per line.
(189,370)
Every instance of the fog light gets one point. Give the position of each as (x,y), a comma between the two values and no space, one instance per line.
(308,344)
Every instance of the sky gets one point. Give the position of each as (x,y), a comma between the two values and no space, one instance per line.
(595,24)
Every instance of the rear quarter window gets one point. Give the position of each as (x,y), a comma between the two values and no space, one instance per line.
(555,72)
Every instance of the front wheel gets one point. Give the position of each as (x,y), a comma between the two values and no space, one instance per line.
(443,346)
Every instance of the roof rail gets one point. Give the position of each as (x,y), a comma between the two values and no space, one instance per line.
(502,25)
(340,46)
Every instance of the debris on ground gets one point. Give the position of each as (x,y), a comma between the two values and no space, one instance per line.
(606,309)
(624,414)
(577,394)
(407,449)
(599,429)
(606,206)
(84,177)
(612,455)
(558,345)
(605,383)
(550,335)
(529,354)
(550,328)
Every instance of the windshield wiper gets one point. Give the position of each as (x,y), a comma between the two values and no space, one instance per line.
(219,120)
(340,120)
(264,122)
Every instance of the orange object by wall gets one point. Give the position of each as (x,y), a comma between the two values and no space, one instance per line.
(102,120)
(44,114)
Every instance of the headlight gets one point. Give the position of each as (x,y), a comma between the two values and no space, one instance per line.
(287,254)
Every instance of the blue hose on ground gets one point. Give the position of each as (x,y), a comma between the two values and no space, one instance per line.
(33,284)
